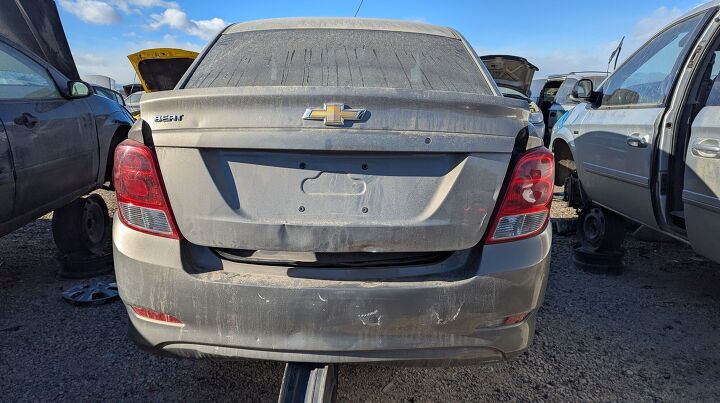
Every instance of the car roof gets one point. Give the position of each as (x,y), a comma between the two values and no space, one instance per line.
(371,24)
(702,7)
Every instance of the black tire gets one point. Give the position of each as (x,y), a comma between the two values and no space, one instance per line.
(610,263)
(82,226)
(600,230)
(564,168)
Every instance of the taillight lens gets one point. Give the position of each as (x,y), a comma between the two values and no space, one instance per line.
(142,202)
(525,210)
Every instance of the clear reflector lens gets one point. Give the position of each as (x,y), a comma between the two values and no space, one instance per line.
(518,225)
(147,218)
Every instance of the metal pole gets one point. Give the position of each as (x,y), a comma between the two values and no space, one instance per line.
(308,383)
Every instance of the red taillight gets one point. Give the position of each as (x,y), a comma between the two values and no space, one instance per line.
(142,202)
(525,210)
(146,313)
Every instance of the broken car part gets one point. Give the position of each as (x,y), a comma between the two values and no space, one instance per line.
(91,294)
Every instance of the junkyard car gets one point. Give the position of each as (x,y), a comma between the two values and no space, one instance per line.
(334,190)
(132,102)
(555,95)
(56,135)
(158,70)
(646,146)
(513,76)
(109,94)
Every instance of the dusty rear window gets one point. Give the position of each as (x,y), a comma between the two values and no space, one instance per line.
(339,58)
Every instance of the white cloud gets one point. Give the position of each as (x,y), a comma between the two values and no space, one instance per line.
(178,20)
(92,11)
(126,5)
(153,3)
(114,63)
(647,27)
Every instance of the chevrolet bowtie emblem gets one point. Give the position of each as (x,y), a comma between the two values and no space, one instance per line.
(334,114)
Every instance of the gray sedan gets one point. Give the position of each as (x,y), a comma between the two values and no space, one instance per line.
(334,190)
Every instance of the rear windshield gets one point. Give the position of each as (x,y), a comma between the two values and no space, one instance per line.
(339,58)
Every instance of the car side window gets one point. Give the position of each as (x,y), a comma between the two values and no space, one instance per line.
(134,98)
(105,93)
(23,78)
(647,77)
(714,98)
(565,90)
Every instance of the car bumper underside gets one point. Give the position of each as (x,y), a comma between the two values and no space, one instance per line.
(237,310)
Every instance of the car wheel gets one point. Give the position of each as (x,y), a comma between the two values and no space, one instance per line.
(564,168)
(82,226)
(600,229)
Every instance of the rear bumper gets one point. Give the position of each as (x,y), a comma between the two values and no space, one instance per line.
(235,310)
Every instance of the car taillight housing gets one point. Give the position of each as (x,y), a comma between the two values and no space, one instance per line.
(525,209)
(142,201)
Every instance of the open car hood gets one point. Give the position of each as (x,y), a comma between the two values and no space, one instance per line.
(511,72)
(35,25)
(161,69)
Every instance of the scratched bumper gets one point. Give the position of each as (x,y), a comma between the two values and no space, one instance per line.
(234,310)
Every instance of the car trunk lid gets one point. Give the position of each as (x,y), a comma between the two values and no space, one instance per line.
(161,69)
(511,72)
(421,172)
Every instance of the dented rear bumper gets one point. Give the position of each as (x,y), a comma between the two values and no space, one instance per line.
(237,310)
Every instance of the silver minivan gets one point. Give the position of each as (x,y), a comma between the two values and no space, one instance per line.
(334,190)
(646,145)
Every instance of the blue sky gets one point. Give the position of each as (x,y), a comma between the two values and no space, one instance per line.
(574,35)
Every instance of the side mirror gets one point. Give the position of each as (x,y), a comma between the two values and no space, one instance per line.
(78,89)
(583,90)
(536,118)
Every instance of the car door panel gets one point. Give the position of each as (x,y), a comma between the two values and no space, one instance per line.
(616,169)
(55,153)
(7,177)
(701,193)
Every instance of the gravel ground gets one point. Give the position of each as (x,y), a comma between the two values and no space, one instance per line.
(648,335)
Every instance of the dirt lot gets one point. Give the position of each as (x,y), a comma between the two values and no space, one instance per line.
(649,335)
